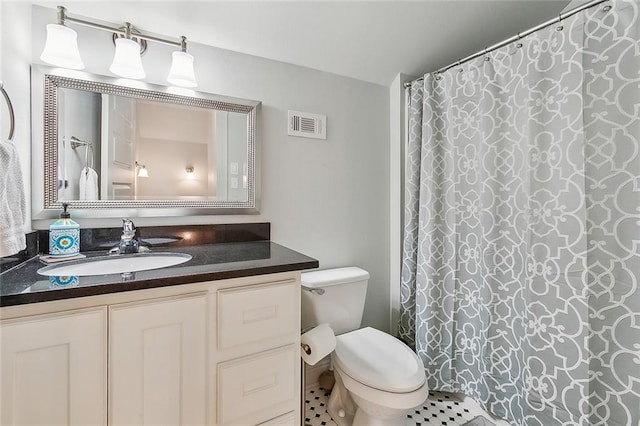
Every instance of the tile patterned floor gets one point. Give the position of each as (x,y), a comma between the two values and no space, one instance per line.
(316,407)
(441,409)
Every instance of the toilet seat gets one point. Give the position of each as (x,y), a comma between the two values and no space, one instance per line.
(378,360)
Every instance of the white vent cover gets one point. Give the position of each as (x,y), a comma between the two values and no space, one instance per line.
(307,125)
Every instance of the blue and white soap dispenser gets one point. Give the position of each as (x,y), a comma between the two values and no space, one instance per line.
(64,235)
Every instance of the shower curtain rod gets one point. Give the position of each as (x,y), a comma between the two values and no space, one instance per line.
(516,37)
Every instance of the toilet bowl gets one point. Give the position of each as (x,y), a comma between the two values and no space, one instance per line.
(379,379)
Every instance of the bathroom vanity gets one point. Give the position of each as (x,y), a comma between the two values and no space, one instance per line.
(213,341)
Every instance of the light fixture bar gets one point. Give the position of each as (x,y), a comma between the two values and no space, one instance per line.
(61,50)
(63,17)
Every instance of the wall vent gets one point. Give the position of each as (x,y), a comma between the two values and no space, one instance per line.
(307,125)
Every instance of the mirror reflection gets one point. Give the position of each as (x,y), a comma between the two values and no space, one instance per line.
(110,145)
(114,147)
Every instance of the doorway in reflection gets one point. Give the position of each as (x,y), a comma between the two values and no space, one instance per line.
(189,153)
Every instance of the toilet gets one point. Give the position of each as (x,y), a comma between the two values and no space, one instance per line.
(379,379)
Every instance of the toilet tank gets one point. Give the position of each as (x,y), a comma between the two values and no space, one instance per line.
(334,296)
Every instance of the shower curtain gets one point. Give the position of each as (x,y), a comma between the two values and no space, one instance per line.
(521,258)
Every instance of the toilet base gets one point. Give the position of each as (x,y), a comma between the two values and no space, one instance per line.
(368,414)
(341,406)
(346,408)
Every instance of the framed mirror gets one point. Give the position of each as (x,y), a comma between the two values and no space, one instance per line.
(111,147)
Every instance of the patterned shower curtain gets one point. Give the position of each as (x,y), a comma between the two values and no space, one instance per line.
(521,263)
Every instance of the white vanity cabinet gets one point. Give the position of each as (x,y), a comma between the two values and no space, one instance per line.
(213,353)
(53,369)
(157,361)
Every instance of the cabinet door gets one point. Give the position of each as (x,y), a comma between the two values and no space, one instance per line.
(53,369)
(157,362)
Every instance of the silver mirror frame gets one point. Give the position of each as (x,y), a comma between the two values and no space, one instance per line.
(44,84)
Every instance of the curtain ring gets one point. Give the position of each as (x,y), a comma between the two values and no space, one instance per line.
(560,27)
(486,54)
(519,44)
(606,8)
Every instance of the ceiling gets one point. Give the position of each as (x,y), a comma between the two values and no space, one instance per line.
(366,40)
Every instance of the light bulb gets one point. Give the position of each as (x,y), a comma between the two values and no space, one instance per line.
(190,173)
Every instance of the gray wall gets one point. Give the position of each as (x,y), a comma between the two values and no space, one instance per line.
(328,199)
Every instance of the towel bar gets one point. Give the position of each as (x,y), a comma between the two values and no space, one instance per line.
(12,118)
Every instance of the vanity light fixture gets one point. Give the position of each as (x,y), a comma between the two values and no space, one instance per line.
(61,49)
(181,72)
(189,171)
(142,170)
(126,59)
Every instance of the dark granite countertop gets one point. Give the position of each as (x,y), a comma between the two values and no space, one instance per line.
(22,284)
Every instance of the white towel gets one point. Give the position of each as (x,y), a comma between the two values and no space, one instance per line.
(88,184)
(12,201)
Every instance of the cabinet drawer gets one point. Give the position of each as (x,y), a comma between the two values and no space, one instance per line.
(255,383)
(288,419)
(251,314)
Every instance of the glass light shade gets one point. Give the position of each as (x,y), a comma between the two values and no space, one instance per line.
(142,172)
(61,48)
(126,61)
(181,73)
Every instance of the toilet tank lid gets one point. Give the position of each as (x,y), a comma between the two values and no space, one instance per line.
(328,277)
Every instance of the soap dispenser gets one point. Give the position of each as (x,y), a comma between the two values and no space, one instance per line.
(64,235)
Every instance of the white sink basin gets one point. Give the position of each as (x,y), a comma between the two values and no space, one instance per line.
(114,264)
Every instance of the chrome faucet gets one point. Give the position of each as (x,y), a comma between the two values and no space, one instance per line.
(128,241)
